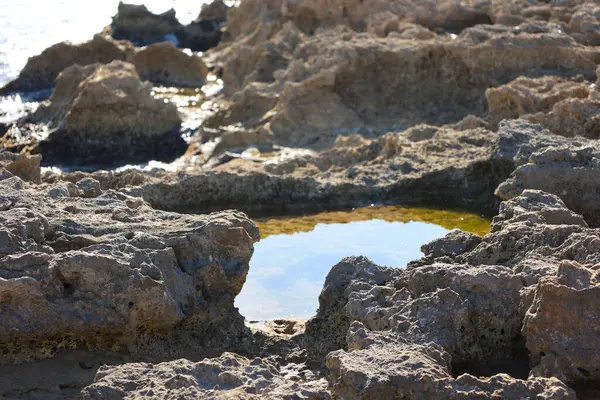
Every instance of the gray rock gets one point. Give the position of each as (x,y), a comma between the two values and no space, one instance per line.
(228,377)
(109,272)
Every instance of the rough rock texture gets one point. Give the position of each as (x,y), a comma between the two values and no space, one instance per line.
(227,377)
(104,114)
(569,349)
(199,35)
(569,170)
(22,166)
(108,272)
(137,24)
(482,309)
(509,315)
(165,64)
(205,32)
(566,107)
(440,166)
(525,96)
(292,86)
(41,71)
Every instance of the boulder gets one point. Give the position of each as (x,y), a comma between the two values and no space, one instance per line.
(104,114)
(164,64)
(568,170)
(104,272)
(41,71)
(138,25)
(296,90)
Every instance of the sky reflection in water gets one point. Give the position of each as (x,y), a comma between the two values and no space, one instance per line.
(287,271)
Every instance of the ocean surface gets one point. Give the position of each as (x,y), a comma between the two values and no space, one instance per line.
(27,27)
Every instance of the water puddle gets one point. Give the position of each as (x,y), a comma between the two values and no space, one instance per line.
(292,259)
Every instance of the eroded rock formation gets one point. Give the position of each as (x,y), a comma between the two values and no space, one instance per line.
(104,114)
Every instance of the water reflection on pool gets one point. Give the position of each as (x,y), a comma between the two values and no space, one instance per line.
(287,269)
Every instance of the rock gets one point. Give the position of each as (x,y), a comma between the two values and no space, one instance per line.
(229,376)
(199,35)
(137,24)
(164,64)
(439,166)
(529,96)
(567,349)
(216,10)
(24,166)
(205,32)
(299,91)
(41,71)
(433,327)
(89,187)
(585,23)
(104,114)
(327,330)
(109,273)
(568,170)
(412,371)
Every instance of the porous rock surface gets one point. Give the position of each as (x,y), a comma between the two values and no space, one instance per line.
(161,63)
(296,87)
(83,269)
(106,114)
(566,107)
(483,320)
(482,308)
(454,165)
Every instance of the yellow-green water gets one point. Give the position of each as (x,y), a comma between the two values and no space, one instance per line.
(465,221)
(295,254)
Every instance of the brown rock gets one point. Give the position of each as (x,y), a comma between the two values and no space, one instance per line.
(24,166)
(165,64)
(41,71)
(105,114)
(561,324)
(529,96)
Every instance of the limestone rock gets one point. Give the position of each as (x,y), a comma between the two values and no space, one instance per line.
(585,23)
(41,71)
(568,170)
(529,96)
(104,114)
(228,377)
(137,24)
(300,89)
(108,272)
(567,349)
(437,324)
(412,371)
(199,35)
(164,64)
(24,166)
(327,330)
(440,166)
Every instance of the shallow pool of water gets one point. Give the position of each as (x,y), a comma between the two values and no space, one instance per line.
(291,261)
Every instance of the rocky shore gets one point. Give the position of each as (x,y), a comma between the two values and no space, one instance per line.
(121,283)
